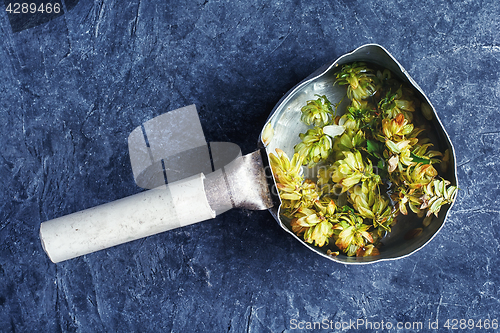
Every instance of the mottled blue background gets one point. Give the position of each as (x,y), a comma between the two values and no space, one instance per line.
(72,89)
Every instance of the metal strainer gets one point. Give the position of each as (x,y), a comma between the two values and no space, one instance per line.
(245,182)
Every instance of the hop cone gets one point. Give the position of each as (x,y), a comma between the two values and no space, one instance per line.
(315,146)
(317,112)
(361,81)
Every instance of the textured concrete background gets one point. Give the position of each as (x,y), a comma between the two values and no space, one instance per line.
(73,88)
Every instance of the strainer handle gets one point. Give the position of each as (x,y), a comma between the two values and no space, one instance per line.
(164,208)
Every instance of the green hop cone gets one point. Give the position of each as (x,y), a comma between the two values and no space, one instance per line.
(285,171)
(437,194)
(317,112)
(395,103)
(315,146)
(372,205)
(297,195)
(360,80)
(316,228)
(353,169)
(352,234)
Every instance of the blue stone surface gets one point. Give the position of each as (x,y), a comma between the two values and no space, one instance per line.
(73,88)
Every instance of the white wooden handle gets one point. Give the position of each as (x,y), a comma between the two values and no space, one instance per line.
(166,207)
